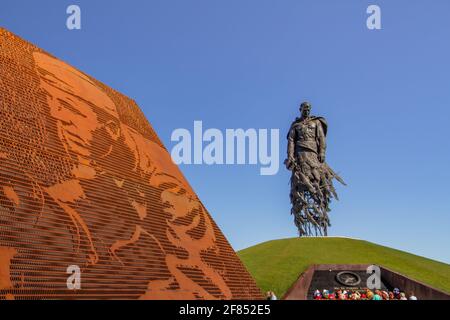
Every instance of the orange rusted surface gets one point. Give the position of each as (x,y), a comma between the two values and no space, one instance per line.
(84,180)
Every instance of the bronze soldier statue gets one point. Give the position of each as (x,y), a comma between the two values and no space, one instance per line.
(312,179)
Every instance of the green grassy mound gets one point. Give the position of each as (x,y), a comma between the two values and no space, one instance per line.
(276,264)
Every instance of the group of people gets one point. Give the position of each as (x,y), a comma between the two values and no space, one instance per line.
(366,294)
(270,295)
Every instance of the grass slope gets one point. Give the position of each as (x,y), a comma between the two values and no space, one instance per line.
(276,264)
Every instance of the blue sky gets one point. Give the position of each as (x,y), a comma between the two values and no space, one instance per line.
(247,64)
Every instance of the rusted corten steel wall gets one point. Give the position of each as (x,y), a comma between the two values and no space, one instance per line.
(85,181)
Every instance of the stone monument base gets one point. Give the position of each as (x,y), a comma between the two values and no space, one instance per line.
(324,276)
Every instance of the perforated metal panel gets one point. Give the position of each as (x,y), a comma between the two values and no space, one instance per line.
(85,181)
